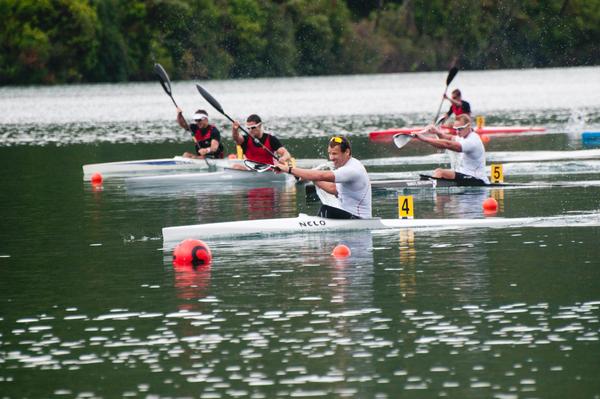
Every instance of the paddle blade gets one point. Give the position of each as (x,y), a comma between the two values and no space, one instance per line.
(328,199)
(451,74)
(257,166)
(401,139)
(163,77)
(210,99)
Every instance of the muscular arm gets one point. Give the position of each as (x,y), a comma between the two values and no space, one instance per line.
(438,131)
(331,188)
(312,174)
(318,176)
(181,120)
(214,146)
(445,136)
(441,143)
(235,131)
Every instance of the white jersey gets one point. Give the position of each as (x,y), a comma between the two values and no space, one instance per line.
(354,188)
(472,157)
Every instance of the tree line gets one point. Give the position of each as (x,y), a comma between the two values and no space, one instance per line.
(65,41)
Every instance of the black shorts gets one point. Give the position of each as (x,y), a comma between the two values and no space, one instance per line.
(331,212)
(466,180)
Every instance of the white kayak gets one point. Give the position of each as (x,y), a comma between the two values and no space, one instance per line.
(491,157)
(221,177)
(314,224)
(177,163)
(126,168)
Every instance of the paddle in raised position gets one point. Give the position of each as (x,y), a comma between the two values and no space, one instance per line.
(401,139)
(215,104)
(451,74)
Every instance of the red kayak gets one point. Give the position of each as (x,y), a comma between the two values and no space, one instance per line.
(387,135)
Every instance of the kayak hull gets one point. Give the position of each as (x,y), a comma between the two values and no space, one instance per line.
(305,224)
(128,168)
(222,177)
(177,163)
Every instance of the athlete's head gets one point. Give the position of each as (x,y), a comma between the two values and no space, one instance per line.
(456,95)
(339,150)
(201,118)
(254,125)
(462,125)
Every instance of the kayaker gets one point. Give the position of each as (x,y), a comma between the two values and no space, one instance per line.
(253,151)
(471,169)
(206,136)
(458,106)
(349,181)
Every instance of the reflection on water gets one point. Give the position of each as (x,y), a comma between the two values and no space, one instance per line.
(407,312)
(87,296)
(192,284)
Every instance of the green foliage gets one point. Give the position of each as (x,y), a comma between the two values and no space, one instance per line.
(47,41)
(56,41)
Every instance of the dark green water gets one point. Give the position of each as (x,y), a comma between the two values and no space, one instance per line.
(91,307)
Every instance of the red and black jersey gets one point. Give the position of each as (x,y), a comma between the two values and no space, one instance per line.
(255,152)
(464,108)
(205,136)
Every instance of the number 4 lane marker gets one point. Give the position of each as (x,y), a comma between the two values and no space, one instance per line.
(406,209)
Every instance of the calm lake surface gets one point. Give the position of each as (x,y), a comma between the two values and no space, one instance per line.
(91,305)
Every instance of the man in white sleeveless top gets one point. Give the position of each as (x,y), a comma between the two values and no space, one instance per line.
(349,182)
(471,169)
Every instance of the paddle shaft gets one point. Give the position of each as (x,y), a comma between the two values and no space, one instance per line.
(215,104)
(440,107)
(165,82)
(451,74)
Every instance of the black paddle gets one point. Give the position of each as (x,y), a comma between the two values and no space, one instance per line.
(401,139)
(451,74)
(215,104)
(165,82)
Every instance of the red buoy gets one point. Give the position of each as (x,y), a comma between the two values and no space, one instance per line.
(341,251)
(490,205)
(96,179)
(485,138)
(192,252)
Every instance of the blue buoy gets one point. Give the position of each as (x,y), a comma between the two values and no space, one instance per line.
(590,139)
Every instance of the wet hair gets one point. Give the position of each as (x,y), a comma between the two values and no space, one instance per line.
(254,118)
(456,92)
(342,141)
(201,111)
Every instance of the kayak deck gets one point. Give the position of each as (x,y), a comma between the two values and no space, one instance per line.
(160,165)
(126,168)
(314,224)
(225,176)
(425,182)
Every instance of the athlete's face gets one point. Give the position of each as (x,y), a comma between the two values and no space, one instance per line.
(461,128)
(202,123)
(338,157)
(255,129)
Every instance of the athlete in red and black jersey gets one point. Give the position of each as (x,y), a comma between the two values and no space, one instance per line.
(254,151)
(458,106)
(207,138)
